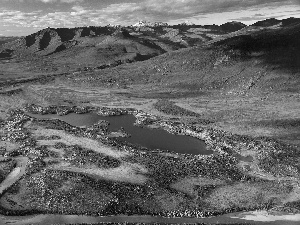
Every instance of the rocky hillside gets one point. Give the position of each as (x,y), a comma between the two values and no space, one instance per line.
(95,43)
(252,61)
(94,47)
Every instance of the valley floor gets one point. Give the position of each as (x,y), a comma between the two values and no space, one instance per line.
(52,167)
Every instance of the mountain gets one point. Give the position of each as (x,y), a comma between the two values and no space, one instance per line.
(253,61)
(212,54)
(267,22)
(273,21)
(144,23)
(100,47)
(89,47)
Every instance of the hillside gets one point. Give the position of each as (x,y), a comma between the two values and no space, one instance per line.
(94,47)
(240,64)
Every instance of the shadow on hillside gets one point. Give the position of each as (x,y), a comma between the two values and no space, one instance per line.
(45,41)
(287,123)
(276,48)
(58,49)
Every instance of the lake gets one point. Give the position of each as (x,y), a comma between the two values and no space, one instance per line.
(150,138)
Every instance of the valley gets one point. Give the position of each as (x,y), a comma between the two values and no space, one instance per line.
(234,88)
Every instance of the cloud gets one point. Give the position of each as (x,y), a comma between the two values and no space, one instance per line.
(16,18)
(171,10)
(43,1)
(206,6)
(102,12)
(63,1)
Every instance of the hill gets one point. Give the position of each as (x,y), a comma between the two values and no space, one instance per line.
(273,21)
(191,56)
(94,47)
(230,64)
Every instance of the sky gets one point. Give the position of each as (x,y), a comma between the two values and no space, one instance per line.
(23,17)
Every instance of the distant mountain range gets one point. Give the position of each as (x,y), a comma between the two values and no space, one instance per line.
(5,39)
(109,44)
(273,21)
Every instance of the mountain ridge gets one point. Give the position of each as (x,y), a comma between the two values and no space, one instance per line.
(97,48)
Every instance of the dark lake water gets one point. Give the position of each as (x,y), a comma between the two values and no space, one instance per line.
(146,137)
